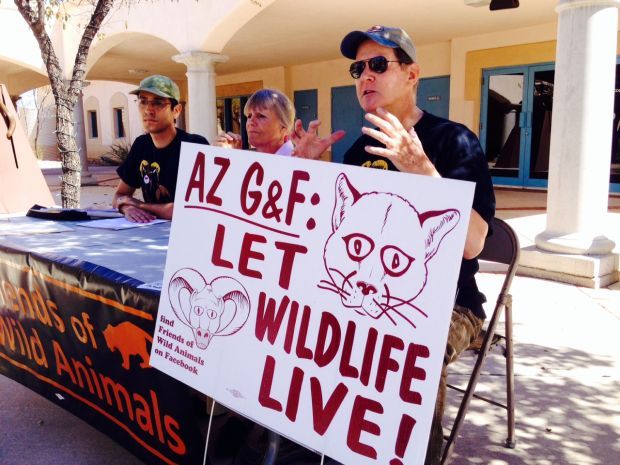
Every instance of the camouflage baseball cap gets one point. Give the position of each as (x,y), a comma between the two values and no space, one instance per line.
(393,37)
(159,85)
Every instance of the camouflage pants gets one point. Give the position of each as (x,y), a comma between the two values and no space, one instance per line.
(464,329)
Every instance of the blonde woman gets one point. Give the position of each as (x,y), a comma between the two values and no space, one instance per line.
(270,117)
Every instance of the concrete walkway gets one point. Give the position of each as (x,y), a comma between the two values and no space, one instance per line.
(567,370)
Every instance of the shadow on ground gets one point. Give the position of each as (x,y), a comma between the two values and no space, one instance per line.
(564,415)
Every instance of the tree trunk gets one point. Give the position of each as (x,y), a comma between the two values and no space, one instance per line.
(69,155)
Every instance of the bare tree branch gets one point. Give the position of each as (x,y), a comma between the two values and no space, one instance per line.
(102,8)
(35,13)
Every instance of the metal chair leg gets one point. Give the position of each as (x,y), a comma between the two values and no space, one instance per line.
(501,247)
(510,382)
(272,448)
(471,386)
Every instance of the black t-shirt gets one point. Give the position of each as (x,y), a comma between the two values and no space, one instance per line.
(456,153)
(155,170)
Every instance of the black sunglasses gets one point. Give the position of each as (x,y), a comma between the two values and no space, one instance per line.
(377,64)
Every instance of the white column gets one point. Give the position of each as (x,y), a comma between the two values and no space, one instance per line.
(201,108)
(583,100)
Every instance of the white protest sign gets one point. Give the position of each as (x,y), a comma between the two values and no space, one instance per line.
(313,297)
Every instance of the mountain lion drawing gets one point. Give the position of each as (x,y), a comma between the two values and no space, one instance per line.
(370,266)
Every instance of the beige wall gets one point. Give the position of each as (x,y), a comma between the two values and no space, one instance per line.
(435,60)
(462,59)
(271,77)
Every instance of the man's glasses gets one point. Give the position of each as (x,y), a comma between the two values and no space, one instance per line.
(157,104)
(377,64)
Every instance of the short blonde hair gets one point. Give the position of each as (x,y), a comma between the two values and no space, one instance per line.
(275,100)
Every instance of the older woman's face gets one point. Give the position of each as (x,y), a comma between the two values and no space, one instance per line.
(265,131)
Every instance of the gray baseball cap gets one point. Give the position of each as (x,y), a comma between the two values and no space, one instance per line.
(159,85)
(393,37)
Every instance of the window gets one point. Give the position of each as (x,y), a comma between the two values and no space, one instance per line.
(93,131)
(119,128)
(231,118)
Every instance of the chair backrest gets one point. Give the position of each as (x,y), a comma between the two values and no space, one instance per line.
(502,247)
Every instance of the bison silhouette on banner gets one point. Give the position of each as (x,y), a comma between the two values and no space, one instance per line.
(313,297)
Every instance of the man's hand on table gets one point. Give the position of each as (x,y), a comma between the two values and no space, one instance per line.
(130,207)
(136,214)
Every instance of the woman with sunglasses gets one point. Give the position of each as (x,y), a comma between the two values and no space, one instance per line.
(270,115)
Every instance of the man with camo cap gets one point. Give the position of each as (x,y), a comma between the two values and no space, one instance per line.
(153,160)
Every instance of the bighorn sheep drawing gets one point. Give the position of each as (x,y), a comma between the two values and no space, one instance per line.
(218,308)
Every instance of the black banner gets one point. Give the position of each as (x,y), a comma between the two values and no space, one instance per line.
(80,335)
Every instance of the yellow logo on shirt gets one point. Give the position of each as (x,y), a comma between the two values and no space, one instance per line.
(378,164)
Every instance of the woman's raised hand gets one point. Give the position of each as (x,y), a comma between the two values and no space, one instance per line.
(228,140)
(308,144)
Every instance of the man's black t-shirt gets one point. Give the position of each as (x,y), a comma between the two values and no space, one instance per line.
(155,170)
(456,153)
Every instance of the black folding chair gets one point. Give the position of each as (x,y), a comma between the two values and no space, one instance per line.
(502,247)
(272,448)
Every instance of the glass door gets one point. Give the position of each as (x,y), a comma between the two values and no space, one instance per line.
(515,125)
(537,123)
(502,123)
(230,116)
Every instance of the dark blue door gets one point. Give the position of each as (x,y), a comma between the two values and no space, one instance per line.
(305,105)
(434,95)
(348,115)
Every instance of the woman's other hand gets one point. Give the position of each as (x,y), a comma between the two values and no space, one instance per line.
(228,140)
